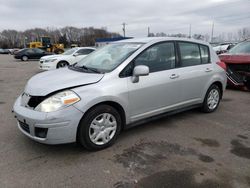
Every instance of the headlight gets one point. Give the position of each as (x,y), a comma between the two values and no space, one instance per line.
(58,101)
(49,60)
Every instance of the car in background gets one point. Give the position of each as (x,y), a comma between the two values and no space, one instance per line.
(4,51)
(118,86)
(30,53)
(238,65)
(69,57)
(223,48)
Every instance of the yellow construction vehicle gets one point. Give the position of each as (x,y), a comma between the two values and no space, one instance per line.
(45,44)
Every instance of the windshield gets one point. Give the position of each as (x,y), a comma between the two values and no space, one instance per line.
(241,48)
(108,57)
(69,52)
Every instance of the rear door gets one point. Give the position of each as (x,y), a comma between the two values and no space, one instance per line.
(195,69)
(160,90)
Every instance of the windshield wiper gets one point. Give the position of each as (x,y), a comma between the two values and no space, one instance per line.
(91,69)
(86,68)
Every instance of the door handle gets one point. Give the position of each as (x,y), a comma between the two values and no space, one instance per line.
(208,70)
(174,76)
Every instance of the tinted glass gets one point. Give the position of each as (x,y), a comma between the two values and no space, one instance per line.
(36,50)
(190,54)
(84,51)
(29,51)
(158,57)
(204,54)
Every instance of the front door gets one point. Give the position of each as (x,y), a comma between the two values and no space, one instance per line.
(160,90)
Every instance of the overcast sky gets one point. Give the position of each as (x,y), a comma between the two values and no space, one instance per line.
(160,15)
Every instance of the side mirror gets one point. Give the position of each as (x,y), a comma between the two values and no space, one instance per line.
(140,70)
(76,54)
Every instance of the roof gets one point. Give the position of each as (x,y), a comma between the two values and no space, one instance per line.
(159,39)
(111,39)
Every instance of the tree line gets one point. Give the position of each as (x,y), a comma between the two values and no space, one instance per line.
(86,36)
(10,38)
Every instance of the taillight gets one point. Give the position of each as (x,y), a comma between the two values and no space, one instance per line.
(222,65)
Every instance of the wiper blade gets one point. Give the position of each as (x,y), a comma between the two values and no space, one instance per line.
(86,68)
(91,69)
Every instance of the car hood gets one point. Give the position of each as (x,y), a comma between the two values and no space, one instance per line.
(235,59)
(47,82)
(52,56)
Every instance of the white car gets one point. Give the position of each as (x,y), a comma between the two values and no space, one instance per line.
(69,57)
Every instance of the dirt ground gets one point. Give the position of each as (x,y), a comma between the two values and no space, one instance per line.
(190,150)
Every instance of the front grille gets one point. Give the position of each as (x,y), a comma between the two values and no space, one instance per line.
(31,101)
(24,126)
(35,101)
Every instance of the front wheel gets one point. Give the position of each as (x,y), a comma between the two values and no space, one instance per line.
(24,58)
(99,128)
(62,64)
(212,99)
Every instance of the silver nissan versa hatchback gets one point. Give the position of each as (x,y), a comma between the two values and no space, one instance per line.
(118,86)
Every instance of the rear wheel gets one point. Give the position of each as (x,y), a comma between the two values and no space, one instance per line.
(62,64)
(24,58)
(212,99)
(99,128)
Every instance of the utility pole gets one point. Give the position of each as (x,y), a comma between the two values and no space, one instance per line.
(148,31)
(212,34)
(124,29)
(190,30)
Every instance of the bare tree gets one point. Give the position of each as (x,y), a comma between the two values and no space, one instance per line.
(66,35)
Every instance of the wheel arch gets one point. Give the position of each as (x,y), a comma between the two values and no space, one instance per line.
(113,104)
(61,62)
(24,55)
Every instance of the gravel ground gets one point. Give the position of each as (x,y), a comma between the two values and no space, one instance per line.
(190,149)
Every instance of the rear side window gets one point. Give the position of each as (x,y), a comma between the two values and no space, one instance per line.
(189,54)
(30,51)
(204,54)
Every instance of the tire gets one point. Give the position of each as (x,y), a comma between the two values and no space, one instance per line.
(62,64)
(24,58)
(212,99)
(92,132)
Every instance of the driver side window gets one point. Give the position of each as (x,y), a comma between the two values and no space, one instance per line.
(38,51)
(158,57)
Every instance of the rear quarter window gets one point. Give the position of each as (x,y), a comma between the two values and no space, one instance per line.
(205,58)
